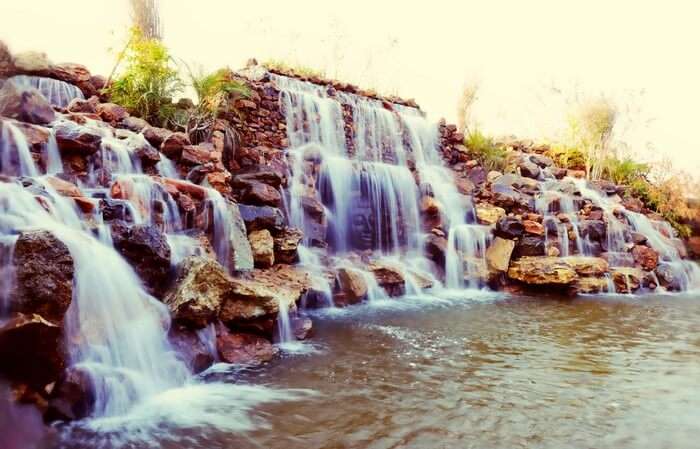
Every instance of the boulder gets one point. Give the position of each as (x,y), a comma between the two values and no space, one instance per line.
(194,351)
(146,249)
(80,105)
(666,274)
(201,286)
(7,63)
(196,154)
(44,275)
(172,145)
(626,279)
(257,173)
(240,246)
(389,277)
(261,194)
(588,266)
(541,160)
(73,396)
(75,138)
(509,228)
(31,350)
(135,124)
(111,113)
(645,257)
(25,104)
(260,293)
(243,349)
(488,214)
(498,254)
(436,248)
(587,285)
(156,136)
(262,217)
(63,187)
(302,327)
(493,176)
(352,284)
(529,169)
(263,245)
(32,62)
(542,271)
(286,245)
(593,230)
(533,227)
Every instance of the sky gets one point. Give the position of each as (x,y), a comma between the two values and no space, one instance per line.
(531,59)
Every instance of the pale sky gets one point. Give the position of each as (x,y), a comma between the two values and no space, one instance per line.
(643,54)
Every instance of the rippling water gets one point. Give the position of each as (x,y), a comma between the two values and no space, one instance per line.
(478,372)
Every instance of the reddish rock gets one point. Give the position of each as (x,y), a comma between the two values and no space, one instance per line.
(112,113)
(75,74)
(533,227)
(156,136)
(190,348)
(73,138)
(196,154)
(286,244)
(88,106)
(63,187)
(261,194)
(244,349)
(174,144)
(25,104)
(645,257)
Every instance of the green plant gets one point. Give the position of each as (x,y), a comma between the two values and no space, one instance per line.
(490,155)
(567,156)
(293,69)
(149,81)
(623,171)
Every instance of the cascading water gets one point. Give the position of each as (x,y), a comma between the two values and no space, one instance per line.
(59,93)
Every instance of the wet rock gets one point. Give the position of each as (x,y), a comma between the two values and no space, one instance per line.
(509,228)
(72,398)
(72,137)
(530,245)
(196,154)
(587,266)
(541,160)
(593,230)
(542,271)
(37,136)
(25,104)
(302,327)
(261,194)
(111,113)
(76,74)
(260,293)
(498,254)
(352,284)
(257,173)
(191,349)
(243,349)
(148,252)
(588,285)
(436,248)
(63,187)
(529,169)
(201,286)
(240,246)
(156,136)
(668,278)
(389,277)
(638,238)
(148,155)
(533,227)
(262,244)
(31,350)
(645,257)
(633,204)
(286,245)
(88,106)
(626,279)
(172,145)
(44,275)
(262,217)
(135,124)
(488,214)
(464,185)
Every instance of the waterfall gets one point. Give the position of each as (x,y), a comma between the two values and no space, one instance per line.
(58,93)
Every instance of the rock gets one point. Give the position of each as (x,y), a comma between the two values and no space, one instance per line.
(62,187)
(7,63)
(32,62)
(243,349)
(541,160)
(593,230)
(136,125)
(587,266)
(302,327)
(626,279)
(488,214)
(260,293)
(553,251)
(529,169)
(667,277)
(493,176)
(633,204)
(25,104)
(533,227)
(430,206)
(196,297)
(508,198)
(645,257)
(192,349)
(240,246)
(146,249)
(352,284)
(498,254)
(257,173)
(261,194)
(72,137)
(579,174)
(436,248)
(477,175)
(156,136)
(262,217)
(589,285)
(638,238)
(111,113)
(262,245)
(37,136)
(80,105)
(196,154)
(72,397)
(509,228)
(31,350)
(542,271)
(148,155)
(389,277)
(464,185)
(286,244)
(44,275)
(173,145)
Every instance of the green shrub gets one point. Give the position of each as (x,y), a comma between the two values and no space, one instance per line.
(567,157)
(623,171)
(149,81)
(293,69)
(490,155)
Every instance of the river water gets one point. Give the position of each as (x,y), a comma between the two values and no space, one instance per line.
(482,370)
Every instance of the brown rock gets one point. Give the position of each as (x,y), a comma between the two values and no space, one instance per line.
(389,277)
(156,136)
(533,227)
(488,214)
(498,254)
(196,154)
(173,144)
(262,194)
(352,284)
(645,257)
(626,279)
(64,188)
(542,271)
(286,244)
(25,104)
(262,245)
(243,349)
(112,113)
